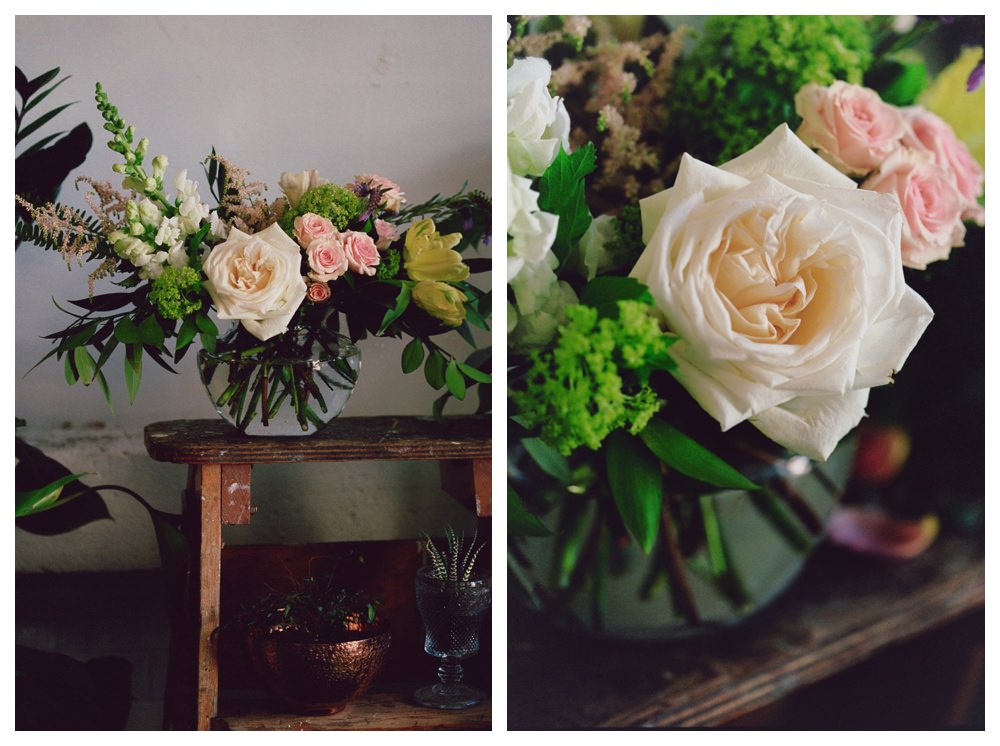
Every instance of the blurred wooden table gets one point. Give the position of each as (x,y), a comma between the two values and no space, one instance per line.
(842,611)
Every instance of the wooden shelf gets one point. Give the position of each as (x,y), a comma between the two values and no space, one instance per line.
(345,439)
(388,708)
(843,610)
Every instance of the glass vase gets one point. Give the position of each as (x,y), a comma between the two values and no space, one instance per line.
(727,555)
(293,385)
(452,612)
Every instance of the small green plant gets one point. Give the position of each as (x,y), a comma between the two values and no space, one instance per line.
(457,561)
(315,612)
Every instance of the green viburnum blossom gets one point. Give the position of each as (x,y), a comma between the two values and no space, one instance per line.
(740,80)
(596,377)
(336,203)
(388,267)
(176,292)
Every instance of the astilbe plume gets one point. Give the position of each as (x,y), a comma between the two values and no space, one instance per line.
(616,95)
(241,201)
(107,203)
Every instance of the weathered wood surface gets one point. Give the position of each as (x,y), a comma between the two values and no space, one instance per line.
(470,482)
(209,572)
(843,610)
(345,439)
(385,709)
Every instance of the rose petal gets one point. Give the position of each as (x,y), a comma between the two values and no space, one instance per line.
(783,154)
(870,530)
(813,425)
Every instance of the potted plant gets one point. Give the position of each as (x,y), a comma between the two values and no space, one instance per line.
(317,647)
(453,600)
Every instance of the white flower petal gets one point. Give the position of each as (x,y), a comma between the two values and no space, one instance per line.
(813,425)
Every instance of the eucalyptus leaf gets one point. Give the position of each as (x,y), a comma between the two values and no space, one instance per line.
(680,452)
(521,521)
(548,459)
(636,485)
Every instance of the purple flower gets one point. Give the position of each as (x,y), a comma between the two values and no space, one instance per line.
(977,76)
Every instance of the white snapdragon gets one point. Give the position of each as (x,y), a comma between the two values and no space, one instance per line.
(177,255)
(169,232)
(537,123)
(218,229)
(149,214)
(159,166)
(185,187)
(191,212)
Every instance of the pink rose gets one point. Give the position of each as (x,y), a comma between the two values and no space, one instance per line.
(932,206)
(387,233)
(853,129)
(318,292)
(311,226)
(327,258)
(362,254)
(392,196)
(928,131)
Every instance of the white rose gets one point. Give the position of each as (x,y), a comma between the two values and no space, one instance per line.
(537,124)
(785,284)
(256,279)
(294,185)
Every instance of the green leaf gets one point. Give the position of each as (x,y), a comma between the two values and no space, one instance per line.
(402,302)
(782,519)
(69,370)
(413,355)
(85,364)
(455,380)
(603,293)
(44,498)
(437,409)
(561,192)
(520,521)
(634,476)
(205,325)
(41,96)
(475,374)
(434,369)
(151,332)
(186,334)
(680,452)
(133,370)
(723,572)
(127,332)
(548,459)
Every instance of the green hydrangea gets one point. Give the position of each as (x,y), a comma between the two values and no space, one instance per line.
(596,377)
(336,203)
(176,292)
(388,266)
(739,81)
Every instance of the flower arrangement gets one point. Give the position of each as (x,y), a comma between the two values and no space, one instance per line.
(744,290)
(287,270)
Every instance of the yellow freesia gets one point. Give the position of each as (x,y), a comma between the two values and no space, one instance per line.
(444,302)
(429,256)
(964,111)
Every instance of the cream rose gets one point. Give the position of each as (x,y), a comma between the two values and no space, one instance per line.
(932,205)
(853,128)
(783,281)
(256,279)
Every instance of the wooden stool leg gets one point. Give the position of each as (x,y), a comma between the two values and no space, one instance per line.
(209,571)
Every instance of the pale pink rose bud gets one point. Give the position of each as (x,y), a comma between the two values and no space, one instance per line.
(932,206)
(852,128)
(318,292)
(928,131)
(392,195)
(387,233)
(327,258)
(362,254)
(311,226)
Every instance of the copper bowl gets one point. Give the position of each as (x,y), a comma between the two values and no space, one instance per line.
(316,677)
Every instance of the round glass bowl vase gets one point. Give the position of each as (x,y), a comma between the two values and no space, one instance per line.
(281,390)
(729,554)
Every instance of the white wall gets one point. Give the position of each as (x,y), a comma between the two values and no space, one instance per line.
(408,98)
